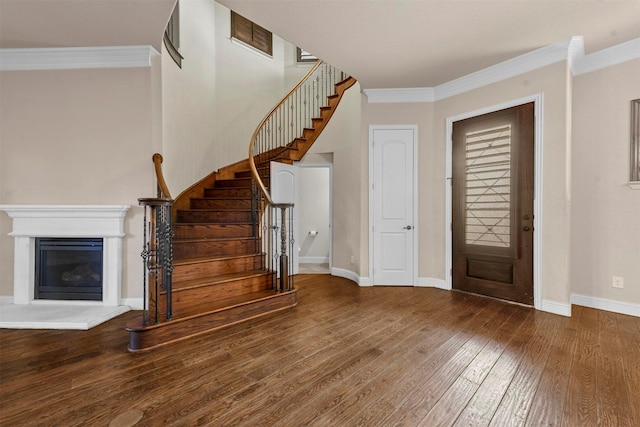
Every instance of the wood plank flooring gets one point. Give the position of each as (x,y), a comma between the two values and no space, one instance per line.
(345,356)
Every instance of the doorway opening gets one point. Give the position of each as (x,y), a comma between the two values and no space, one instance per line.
(314,212)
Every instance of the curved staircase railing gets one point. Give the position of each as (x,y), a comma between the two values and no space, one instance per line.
(285,134)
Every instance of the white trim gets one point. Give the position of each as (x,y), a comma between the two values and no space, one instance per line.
(634,185)
(100,221)
(348,274)
(570,50)
(133,303)
(627,308)
(68,58)
(430,282)
(538,100)
(504,70)
(6,299)
(556,308)
(416,94)
(313,260)
(416,221)
(607,57)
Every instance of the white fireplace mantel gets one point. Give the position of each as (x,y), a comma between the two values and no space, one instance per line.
(100,221)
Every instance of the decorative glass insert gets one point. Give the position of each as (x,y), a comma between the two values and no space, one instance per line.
(488,187)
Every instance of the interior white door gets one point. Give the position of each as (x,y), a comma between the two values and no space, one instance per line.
(283,183)
(393,206)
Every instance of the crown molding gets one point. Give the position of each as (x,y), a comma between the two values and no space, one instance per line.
(69,58)
(570,50)
(614,55)
(418,94)
(538,58)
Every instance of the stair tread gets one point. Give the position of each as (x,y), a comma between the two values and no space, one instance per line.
(213,280)
(222,198)
(211,239)
(223,304)
(209,307)
(215,210)
(197,260)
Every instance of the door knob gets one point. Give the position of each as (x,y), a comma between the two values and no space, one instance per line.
(408,227)
(526,228)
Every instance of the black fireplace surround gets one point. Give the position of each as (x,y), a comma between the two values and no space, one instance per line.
(68,269)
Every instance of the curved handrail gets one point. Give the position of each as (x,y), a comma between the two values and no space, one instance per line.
(252,163)
(162,184)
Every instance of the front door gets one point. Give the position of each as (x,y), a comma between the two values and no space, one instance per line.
(493,204)
(393,206)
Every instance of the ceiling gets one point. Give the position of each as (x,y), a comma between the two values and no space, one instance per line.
(425,43)
(383,43)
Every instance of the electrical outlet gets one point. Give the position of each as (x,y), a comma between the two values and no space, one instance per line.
(618,282)
(353,259)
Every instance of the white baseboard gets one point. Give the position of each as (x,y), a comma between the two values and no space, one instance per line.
(313,260)
(606,304)
(134,303)
(430,282)
(348,274)
(556,308)
(6,299)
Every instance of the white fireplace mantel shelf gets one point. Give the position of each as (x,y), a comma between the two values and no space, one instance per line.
(100,221)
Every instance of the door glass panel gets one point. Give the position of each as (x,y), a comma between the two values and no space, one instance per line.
(488,187)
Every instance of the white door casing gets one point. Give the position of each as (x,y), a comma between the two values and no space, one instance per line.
(393,205)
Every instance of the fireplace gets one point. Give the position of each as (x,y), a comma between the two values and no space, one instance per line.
(66,226)
(68,269)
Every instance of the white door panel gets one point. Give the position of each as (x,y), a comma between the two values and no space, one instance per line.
(393,205)
(283,184)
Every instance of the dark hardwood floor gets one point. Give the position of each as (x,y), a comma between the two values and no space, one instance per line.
(345,356)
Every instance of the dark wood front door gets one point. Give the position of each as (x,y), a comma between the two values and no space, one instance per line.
(493,204)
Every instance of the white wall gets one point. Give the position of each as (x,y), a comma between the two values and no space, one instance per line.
(314,213)
(212,105)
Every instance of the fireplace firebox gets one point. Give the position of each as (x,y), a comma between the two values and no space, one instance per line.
(68,269)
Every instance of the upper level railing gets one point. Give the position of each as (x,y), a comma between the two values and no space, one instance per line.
(276,134)
(157,253)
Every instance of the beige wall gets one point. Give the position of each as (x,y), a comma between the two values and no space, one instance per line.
(212,105)
(342,138)
(552,81)
(605,220)
(77,137)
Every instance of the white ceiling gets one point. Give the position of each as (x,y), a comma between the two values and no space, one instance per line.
(425,43)
(383,43)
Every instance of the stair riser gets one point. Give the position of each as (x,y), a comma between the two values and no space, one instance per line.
(184,299)
(234,183)
(227,192)
(215,267)
(147,338)
(214,216)
(220,203)
(197,231)
(185,250)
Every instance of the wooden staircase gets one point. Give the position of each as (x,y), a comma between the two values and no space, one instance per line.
(219,273)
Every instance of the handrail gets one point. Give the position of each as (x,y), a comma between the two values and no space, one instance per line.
(254,137)
(162,184)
